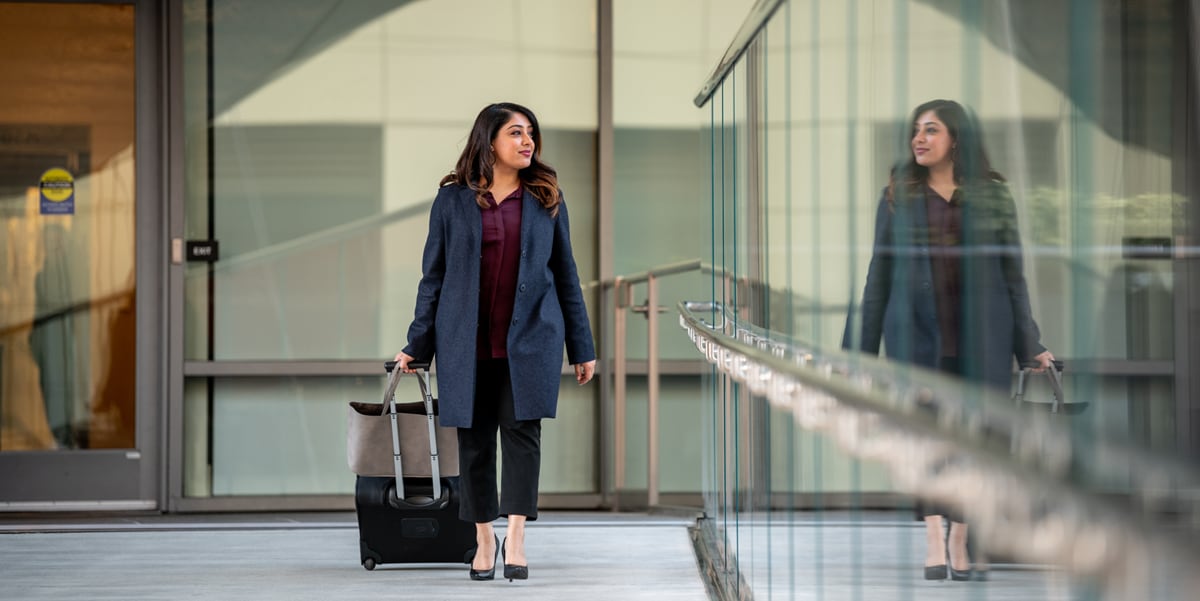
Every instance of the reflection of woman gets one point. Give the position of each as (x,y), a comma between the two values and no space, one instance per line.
(24,425)
(945,287)
(498,297)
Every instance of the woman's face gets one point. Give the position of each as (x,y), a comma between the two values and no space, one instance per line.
(513,144)
(932,145)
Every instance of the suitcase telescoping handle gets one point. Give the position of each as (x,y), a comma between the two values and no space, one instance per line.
(1054,372)
(389,398)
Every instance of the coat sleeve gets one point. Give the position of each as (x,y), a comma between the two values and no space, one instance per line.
(1026,336)
(879,282)
(580,347)
(421,333)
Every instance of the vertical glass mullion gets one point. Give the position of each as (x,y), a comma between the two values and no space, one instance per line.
(764,407)
(900,108)
(852,54)
(816,456)
(1082,49)
(790,291)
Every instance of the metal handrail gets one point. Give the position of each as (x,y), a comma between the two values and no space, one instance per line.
(622,287)
(1019,476)
(760,13)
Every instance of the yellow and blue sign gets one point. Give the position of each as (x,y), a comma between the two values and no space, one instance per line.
(57,191)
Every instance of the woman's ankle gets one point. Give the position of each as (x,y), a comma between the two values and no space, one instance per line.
(935,542)
(485,534)
(957,546)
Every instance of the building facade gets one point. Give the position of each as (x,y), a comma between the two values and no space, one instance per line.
(214,212)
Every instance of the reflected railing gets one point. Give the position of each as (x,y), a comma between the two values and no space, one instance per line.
(1032,487)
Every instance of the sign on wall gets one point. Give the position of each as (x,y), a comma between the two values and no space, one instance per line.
(57,191)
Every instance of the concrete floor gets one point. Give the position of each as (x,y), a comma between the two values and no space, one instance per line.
(577,556)
(572,556)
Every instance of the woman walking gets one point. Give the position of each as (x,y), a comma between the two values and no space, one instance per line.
(498,298)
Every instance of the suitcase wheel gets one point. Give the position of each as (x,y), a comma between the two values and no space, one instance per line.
(369,564)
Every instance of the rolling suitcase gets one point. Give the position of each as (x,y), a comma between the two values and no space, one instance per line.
(405,519)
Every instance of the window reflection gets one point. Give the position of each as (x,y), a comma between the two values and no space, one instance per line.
(67,326)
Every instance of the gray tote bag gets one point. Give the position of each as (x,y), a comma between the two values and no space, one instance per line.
(369,438)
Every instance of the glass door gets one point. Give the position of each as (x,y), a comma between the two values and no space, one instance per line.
(73,304)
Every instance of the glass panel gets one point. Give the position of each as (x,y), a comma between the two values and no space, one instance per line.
(320,207)
(67,328)
(811,140)
(273,436)
(315,143)
(660,184)
(307,452)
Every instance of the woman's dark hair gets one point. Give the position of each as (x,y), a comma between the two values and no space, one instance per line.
(970,158)
(474,167)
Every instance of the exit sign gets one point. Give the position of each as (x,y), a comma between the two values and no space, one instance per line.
(202,250)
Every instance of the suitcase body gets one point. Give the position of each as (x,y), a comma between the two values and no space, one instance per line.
(410,519)
(415,530)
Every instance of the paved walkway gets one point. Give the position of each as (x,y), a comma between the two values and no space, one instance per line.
(576,556)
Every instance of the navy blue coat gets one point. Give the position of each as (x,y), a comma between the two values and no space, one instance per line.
(899,303)
(548,309)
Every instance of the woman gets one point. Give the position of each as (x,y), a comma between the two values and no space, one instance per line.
(945,287)
(499,296)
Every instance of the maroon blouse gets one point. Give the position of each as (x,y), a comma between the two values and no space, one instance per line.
(945,260)
(498,269)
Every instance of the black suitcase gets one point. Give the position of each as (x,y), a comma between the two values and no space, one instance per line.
(419,523)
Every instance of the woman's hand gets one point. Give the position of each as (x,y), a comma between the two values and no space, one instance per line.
(584,371)
(402,361)
(1044,359)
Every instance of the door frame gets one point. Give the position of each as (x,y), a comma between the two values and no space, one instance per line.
(121,479)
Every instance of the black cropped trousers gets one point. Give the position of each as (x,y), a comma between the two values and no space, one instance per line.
(952,366)
(520,447)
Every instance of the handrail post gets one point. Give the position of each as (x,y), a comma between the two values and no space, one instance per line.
(604,370)
(652,391)
(621,302)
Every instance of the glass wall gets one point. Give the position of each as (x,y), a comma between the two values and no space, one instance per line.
(659,208)
(314,142)
(67,243)
(812,142)
(316,135)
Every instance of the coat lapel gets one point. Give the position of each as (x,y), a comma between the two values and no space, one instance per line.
(531,212)
(474,219)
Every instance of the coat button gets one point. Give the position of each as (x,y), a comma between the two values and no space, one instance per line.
(925,285)
(514,322)
(522,287)
(522,254)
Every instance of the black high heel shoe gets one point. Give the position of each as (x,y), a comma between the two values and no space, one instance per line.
(959,575)
(513,572)
(489,573)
